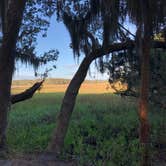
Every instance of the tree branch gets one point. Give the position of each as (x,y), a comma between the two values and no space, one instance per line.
(122,46)
(126,30)
(93,40)
(27,94)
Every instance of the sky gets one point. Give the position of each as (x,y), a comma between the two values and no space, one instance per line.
(57,38)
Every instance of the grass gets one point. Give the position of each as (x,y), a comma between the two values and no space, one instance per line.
(103,128)
(60,86)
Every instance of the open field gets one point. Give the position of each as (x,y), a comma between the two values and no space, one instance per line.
(60,85)
(103,129)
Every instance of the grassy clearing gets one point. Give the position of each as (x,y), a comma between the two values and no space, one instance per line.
(103,129)
(60,86)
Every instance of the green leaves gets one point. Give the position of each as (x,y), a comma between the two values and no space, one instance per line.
(36,21)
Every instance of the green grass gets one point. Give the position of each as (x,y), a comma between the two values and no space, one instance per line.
(103,128)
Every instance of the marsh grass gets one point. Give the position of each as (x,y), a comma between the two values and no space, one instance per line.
(103,128)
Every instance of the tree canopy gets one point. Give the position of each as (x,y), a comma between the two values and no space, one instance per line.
(36,20)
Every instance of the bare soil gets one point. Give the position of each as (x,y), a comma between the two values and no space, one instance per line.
(36,159)
(22,162)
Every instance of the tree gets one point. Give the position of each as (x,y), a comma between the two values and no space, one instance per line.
(147,23)
(96,29)
(19,28)
(125,67)
(10,28)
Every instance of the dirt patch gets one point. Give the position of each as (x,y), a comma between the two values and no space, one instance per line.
(36,159)
(20,162)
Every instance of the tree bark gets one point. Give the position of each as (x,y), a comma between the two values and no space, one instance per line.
(12,25)
(4,104)
(145,46)
(67,106)
(143,102)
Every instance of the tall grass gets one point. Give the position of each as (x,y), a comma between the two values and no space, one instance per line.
(103,128)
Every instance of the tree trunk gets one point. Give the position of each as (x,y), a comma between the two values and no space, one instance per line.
(145,44)
(143,102)
(12,25)
(5,84)
(67,106)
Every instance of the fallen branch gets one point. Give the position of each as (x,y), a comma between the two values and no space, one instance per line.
(27,94)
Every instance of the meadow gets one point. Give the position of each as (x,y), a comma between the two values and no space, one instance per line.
(103,129)
(60,86)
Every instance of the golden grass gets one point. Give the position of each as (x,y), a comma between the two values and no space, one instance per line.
(86,88)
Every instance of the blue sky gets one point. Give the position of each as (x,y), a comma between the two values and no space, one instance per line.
(57,38)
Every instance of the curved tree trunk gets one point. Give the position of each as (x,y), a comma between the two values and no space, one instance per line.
(12,25)
(67,106)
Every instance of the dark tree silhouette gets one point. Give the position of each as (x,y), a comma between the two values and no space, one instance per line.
(11,26)
(20,22)
(97,29)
